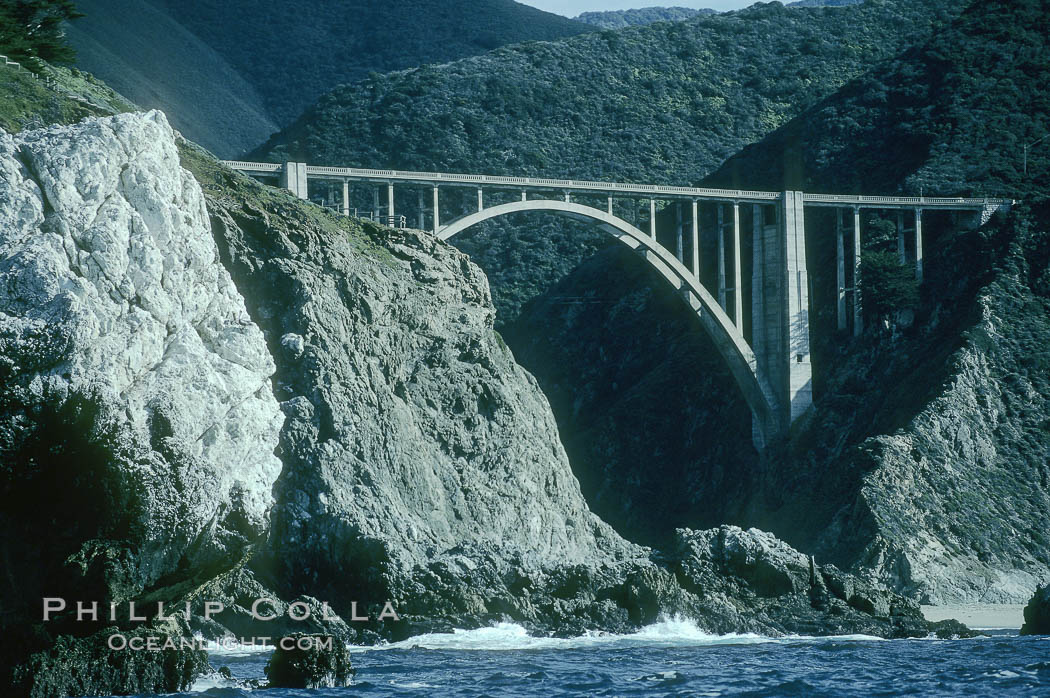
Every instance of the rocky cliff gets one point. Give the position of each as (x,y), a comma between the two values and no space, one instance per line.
(214,391)
(138,424)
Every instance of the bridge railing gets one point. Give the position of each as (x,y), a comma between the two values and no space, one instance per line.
(524,182)
(909,201)
(610,188)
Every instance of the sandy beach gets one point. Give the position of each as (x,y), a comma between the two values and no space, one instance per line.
(979,615)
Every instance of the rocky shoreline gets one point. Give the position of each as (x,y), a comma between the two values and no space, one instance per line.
(252,398)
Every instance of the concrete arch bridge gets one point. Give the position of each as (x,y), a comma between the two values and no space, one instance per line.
(773,370)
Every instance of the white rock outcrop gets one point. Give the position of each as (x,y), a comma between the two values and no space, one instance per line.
(111,285)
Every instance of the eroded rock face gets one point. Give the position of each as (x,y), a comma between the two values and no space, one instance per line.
(416,450)
(137,417)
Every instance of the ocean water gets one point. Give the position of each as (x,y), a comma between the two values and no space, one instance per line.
(671,658)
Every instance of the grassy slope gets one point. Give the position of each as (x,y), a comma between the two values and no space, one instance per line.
(227,73)
(144,53)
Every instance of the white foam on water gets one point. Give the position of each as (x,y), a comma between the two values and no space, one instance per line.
(668,632)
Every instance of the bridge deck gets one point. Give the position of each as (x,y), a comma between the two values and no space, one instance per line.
(613,188)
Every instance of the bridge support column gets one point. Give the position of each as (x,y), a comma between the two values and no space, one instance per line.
(840,263)
(721,258)
(375,204)
(858,304)
(294,178)
(422,211)
(568,198)
(346,197)
(437,212)
(390,202)
(678,241)
(780,306)
(652,218)
(918,244)
(524,195)
(609,207)
(738,284)
(481,200)
(900,238)
(695,232)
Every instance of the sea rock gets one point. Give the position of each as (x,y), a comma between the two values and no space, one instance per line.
(90,667)
(751,581)
(309,661)
(1037,613)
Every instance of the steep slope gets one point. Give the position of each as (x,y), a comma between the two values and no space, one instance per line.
(146,54)
(948,487)
(662,103)
(230,73)
(924,462)
(173,334)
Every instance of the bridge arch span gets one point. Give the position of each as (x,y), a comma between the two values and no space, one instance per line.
(727,338)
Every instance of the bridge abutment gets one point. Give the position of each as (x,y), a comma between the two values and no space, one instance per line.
(293,178)
(780,311)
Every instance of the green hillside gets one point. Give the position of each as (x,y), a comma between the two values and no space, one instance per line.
(230,73)
(618,19)
(662,103)
(954,117)
(929,430)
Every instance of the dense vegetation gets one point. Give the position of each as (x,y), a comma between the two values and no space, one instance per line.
(33,29)
(934,429)
(230,72)
(954,117)
(663,103)
(618,19)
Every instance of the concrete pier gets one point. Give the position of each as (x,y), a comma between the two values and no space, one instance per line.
(721,257)
(738,284)
(652,218)
(858,302)
(694,231)
(293,178)
(679,242)
(901,254)
(918,244)
(346,197)
(780,309)
(840,263)
(437,212)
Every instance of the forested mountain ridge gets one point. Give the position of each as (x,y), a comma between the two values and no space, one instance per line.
(230,73)
(965,114)
(618,19)
(662,103)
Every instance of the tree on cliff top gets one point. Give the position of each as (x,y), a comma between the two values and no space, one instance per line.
(33,29)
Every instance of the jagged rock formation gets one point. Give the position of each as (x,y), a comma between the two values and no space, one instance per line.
(136,416)
(414,445)
(418,462)
(1037,613)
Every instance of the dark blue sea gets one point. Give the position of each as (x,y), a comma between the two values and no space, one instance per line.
(673,658)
